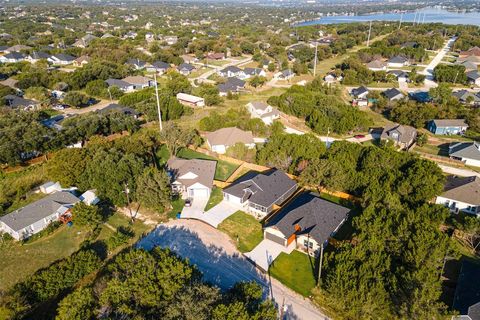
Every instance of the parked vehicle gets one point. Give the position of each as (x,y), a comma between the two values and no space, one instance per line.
(188,202)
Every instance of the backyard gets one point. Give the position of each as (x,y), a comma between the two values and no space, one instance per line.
(296,271)
(243,229)
(224,169)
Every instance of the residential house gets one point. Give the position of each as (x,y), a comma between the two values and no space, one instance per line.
(461,194)
(159,67)
(17,48)
(393,94)
(219,141)
(33,218)
(470,59)
(54,122)
(13,57)
(359,93)
(260,193)
(232,85)
(170,40)
(137,64)
(400,75)
(89,197)
(447,126)
(467,293)
(284,75)
(139,82)
(149,37)
(106,36)
(130,35)
(467,152)
(420,96)
(265,63)
(61,59)
(216,56)
(469,65)
(190,100)
(185,68)
(81,61)
(15,102)
(467,97)
(402,136)
(377,65)
(122,85)
(474,51)
(36,56)
(473,77)
(253,72)
(332,78)
(115,107)
(263,111)
(231,71)
(84,41)
(191,178)
(397,62)
(307,222)
(50,187)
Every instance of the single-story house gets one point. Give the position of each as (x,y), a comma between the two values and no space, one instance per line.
(33,218)
(467,293)
(17,48)
(219,141)
(81,61)
(190,100)
(469,65)
(393,94)
(377,65)
(359,93)
(284,75)
(114,107)
(420,96)
(260,193)
(447,126)
(461,194)
(467,152)
(472,59)
(400,75)
(50,187)
(473,77)
(139,82)
(473,51)
(170,40)
(263,111)
(216,56)
(84,41)
(136,63)
(159,67)
(15,102)
(185,68)
(232,85)
(465,96)
(13,57)
(191,178)
(122,85)
(61,59)
(54,122)
(332,78)
(402,136)
(89,197)
(307,222)
(398,62)
(232,71)
(252,72)
(36,56)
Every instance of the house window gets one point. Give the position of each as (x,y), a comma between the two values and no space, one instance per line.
(305,243)
(311,245)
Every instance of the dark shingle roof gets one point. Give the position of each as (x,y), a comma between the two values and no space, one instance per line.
(186,66)
(117,83)
(314,215)
(391,93)
(160,65)
(262,189)
(114,107)
(464,189)
(232,84)
(358,91)
(233,69)
(469,150)
(467,293)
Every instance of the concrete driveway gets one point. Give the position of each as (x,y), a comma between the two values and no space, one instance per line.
(220,212)
(223,265)
(195,211)
(266,252)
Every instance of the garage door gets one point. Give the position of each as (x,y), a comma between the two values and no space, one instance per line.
(199,193)
(274,238)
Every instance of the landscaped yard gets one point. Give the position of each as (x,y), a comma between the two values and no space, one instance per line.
(177,206)
(244,229)
(224,168)
(215,197)
(296,271)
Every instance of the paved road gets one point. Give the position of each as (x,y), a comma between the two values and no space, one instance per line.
(102,104)
(428,71)
(204,76)
(458,171)
(223,265)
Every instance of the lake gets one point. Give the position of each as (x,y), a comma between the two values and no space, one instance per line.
(431,15)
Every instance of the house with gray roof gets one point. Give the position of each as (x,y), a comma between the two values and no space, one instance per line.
(252,72)
(191,178)
(137,64)
(16,102)
(307,222)
(260,193)
(115,107)
(461,194)
(61,59)
(393,94)
(465,96)
(12,57)
(402,136)
(263,111)
(398,62)
(231,71)
(185,68)
(473,77)
(36,56)
(222,139)
(33,218)
(377,65)
(447,126)
(467,152)
(159,67)
(467,293)
(232,85)
(122,85)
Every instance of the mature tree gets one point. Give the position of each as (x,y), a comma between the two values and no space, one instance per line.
(257,81)
(37,93)
(76,99)
(176,137)
(468,230)
(210,94)
(177,83)
(153,189)
(67,166)
(86,215)
(79,305)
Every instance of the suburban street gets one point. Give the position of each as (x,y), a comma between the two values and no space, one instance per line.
(207,74)
(223,265)
(428,71)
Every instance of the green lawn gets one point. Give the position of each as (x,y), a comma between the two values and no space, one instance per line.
(215,197)
(245,228)
(224,168)
(296,271)
(177,205)
(18,261)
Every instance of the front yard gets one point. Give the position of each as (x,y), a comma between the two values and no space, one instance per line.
(215,198)
(296,271)
(243,229)
(224,168)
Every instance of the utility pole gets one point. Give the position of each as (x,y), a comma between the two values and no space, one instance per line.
(369,34)
(320,264)
(455,81)
(127,191)
(315,62)
(158,102)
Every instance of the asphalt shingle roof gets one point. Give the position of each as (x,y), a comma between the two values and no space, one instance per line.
(467,293)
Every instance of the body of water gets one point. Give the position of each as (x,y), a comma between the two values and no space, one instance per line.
(424,15)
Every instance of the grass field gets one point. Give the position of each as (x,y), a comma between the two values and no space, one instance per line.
(224,168)
(215,197)
(243,227)
(177,206)
(296,271)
